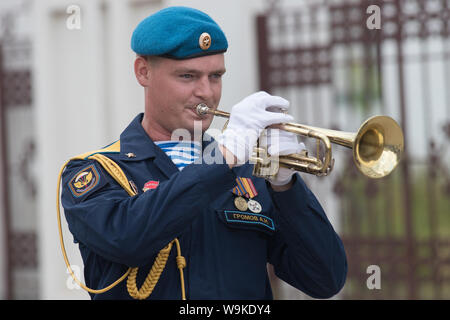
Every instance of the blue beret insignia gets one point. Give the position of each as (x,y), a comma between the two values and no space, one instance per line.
(178,33)
(204,41)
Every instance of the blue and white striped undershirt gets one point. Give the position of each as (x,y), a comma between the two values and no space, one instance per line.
(181,153)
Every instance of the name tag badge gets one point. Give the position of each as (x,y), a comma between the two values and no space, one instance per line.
(248,220)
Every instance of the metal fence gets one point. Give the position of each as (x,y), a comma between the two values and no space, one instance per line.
(338,67)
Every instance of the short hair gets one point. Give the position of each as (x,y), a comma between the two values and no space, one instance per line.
(152,60)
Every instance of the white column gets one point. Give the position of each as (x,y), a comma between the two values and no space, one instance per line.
(69,104)
(125,97)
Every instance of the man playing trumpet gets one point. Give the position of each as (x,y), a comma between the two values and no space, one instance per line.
(225,224)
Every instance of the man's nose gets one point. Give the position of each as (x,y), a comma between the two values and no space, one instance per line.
(203,88)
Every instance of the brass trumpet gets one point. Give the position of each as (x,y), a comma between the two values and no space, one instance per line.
(377,147)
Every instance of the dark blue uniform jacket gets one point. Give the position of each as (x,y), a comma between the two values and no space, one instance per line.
(226,256)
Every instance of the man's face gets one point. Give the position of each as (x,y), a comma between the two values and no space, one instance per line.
(175,87)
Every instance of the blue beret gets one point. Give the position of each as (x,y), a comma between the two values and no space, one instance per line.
(178,33)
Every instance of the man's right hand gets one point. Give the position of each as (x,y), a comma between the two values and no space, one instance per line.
(247,120)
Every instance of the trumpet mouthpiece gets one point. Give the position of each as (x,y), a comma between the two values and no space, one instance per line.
(202,109)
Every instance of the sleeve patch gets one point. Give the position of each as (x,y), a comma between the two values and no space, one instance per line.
(84,181)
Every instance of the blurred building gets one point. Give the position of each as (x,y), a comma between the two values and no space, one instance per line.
(67,86)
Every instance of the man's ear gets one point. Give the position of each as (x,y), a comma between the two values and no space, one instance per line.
(142,71)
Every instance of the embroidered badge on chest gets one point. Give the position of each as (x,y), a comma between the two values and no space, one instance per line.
(84,181)
(150,185)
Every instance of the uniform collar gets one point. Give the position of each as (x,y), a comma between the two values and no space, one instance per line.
(135,144)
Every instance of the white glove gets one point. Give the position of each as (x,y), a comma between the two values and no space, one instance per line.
(280,143)
(247,120)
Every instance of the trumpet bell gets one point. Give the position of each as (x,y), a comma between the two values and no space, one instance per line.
(378,146)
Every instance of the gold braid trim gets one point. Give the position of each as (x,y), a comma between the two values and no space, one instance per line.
(152,277)
(115,171)
(155,272)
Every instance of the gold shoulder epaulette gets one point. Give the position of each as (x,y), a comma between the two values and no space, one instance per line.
(112,148)
(110,166)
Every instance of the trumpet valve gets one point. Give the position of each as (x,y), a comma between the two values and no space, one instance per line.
(264,165)
(260,156)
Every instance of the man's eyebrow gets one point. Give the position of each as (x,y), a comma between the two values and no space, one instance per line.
(221,71)
(187,70)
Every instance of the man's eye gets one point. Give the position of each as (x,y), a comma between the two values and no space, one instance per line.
(217,75)
(186,76)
